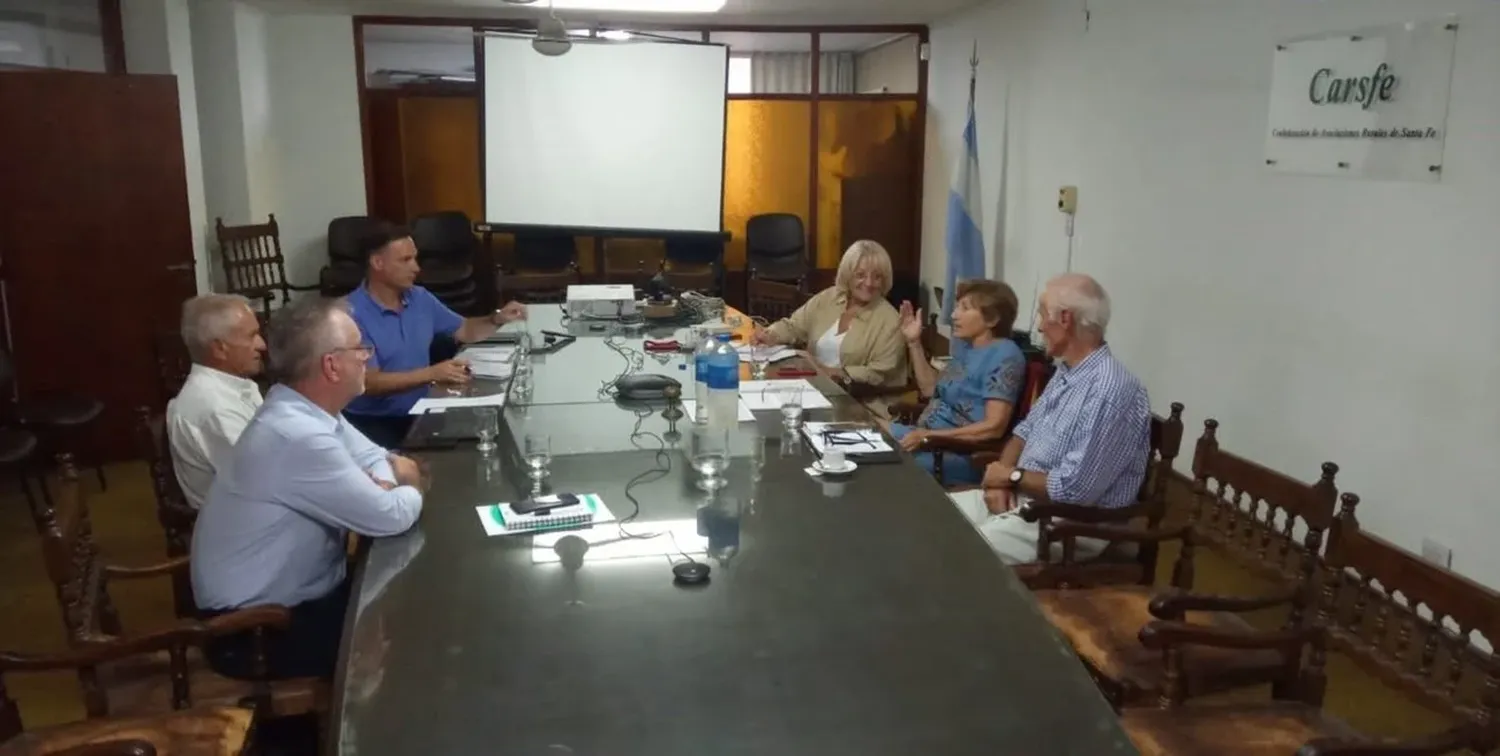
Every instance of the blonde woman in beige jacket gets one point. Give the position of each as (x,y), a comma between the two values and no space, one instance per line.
(848,329)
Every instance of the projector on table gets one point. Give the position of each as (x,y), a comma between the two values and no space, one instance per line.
(601,301)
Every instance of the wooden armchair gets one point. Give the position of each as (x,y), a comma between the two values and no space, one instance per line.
(1102,623)
(253,264)
(180,731)
(144,685)
(177,517)
(773,300)
(1112,566)
(1360,615)
(540,268)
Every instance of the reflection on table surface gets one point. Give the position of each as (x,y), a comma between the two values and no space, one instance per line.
(861,615)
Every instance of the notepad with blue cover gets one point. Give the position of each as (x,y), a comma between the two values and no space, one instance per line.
(503,519)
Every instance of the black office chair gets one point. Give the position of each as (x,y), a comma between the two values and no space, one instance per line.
(346,266)
(776,248)
(446,248)
(56,419)
(695,265)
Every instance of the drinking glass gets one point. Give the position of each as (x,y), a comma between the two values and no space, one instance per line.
(538,454)
(790,400)
(760,357)
(710,454)
(486,428)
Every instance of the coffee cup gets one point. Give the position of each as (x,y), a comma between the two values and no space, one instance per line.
(833,459)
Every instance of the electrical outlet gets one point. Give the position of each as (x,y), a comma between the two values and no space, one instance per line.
(1067,199)
(1437,553)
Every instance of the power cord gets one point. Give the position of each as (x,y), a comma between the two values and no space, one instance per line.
(635,360)
(661,469)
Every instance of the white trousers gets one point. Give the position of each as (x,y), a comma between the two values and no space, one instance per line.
(1012,538)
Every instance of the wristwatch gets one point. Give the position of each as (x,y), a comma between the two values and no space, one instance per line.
(1015,477)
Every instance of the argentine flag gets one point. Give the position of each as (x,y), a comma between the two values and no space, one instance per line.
(965,237)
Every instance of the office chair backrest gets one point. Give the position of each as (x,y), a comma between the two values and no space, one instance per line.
(343,240)
(448,235)
(775,235)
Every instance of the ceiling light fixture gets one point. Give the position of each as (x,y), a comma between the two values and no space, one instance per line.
(639,6)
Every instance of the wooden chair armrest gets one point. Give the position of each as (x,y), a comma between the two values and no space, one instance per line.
(1172,606)
(1160,635)
(1037,510)
(963,446)
(98,651)
(155,570)
(907,412)
(312,287)
(1466,736)
(110,748)
(1115,532)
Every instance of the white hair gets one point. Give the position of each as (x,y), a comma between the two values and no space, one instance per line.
(1081,295)
(857,254)
(207,318)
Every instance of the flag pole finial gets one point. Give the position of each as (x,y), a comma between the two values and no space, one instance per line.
(974,59)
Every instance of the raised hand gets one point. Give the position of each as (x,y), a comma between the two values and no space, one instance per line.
(911,322)
(452,371)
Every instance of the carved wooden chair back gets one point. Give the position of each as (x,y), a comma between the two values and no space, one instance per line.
(1252,513)
(253,264)
(72,560)
(1412,624)
(773,300)
(174,513)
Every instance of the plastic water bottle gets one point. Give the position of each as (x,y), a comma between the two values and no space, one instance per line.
(704,348)
(723,384)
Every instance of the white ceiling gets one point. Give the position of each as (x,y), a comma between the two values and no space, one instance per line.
(735,11)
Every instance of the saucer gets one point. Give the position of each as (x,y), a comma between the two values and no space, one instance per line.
(848,467)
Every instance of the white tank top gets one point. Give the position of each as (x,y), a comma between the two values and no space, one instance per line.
(826,350)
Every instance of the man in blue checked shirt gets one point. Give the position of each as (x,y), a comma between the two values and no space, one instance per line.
(1085,440)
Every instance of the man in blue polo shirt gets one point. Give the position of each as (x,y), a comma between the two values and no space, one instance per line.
(399,320)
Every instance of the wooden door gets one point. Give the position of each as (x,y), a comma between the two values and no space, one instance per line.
(96,245)
(440,151)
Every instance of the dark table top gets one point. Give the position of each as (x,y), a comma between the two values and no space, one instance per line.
(863,616)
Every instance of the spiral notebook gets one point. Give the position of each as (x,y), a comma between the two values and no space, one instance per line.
(502,519)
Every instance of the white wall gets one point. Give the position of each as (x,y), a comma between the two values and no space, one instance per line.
(278,110)
(158,40)
(221,122)
(1316,318)
(315,126)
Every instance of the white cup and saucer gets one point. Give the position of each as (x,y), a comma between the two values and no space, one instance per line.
(834,463)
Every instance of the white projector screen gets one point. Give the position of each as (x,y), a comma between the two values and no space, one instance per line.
(622,135)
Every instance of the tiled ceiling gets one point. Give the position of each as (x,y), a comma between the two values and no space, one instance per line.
(843,12)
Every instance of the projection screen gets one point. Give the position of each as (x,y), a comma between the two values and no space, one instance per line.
(612,135)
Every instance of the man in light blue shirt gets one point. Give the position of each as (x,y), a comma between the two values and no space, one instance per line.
(1085,440)
(399,321)
(274,528)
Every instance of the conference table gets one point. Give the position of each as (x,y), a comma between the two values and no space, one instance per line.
(856,616)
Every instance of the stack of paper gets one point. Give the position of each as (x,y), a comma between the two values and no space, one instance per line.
(773,354)
(490,362)
(441,403)
(851,440)
(690,406)
(765,395)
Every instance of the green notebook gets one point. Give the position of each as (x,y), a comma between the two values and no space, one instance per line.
(502,519)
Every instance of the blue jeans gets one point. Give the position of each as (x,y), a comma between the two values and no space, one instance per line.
(957,470)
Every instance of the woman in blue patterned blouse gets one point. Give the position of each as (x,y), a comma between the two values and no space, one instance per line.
(974,396)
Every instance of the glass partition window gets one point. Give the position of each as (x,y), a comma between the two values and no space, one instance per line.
(869,64)
(777,63)
(869,178)
(63,34)
(398,56)
(766,146)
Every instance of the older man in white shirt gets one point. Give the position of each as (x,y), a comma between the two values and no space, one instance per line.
(223,338)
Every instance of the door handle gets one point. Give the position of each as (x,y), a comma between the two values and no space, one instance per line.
(181,266)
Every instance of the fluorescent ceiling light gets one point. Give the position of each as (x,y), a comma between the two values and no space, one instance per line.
(642,6)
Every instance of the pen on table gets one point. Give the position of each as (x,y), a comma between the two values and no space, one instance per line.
(788,373)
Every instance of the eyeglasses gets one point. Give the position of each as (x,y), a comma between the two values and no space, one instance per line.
(363,351)
(846,438)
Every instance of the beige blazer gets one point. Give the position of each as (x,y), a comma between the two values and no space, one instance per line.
(873,351)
